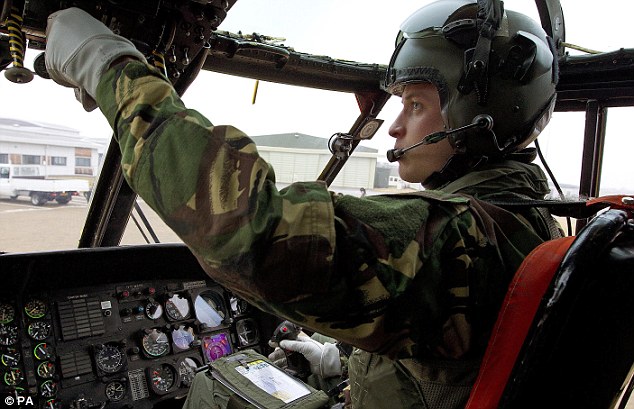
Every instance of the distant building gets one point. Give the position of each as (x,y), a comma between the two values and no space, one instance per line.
(50,151)
(383,173)
(298,157)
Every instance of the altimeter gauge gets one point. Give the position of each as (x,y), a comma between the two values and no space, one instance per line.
(109,358)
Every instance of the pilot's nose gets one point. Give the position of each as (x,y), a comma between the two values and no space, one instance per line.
(397,129)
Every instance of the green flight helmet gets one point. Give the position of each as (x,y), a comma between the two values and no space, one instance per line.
(483,60)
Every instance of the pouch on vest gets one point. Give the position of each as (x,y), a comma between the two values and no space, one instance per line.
(258,382)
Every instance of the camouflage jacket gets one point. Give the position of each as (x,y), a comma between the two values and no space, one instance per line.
(403,276)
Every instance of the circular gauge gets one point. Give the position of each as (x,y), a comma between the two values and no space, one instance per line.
(48,389)
(177,308)
(187,371)
(109,358)
(42,351)
(13,376)
(8,334)
(247,332)
(7,313)
(39,330)
(216,346)
(183,337)
(115,391)
(162,377)
(11,357)
(209,309)
(35,308)
(153,310)
(238,305)
(46,370)
(155,343)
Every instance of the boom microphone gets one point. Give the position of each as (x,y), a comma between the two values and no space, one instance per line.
(483,121)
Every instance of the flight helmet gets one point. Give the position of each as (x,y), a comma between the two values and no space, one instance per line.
(483,60)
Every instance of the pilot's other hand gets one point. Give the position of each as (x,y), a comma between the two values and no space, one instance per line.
(323,358)
(79,49)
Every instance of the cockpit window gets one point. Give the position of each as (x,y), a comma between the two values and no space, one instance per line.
(47,137)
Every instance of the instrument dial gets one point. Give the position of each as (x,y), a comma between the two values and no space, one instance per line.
(247,331)
(11,357)
(155,343)
(46,370)
(209,309)
(238,306)
(8,334)
(13,376)
(216,346)
(153,310)
(7,313)
(187,371)
(39,330)
(48,389)
(115,391)
(177,308)
(183,337)
(162,377)
(109,358)
(35,308)
(42,351)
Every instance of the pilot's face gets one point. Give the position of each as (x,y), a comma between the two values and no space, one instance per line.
(420,117)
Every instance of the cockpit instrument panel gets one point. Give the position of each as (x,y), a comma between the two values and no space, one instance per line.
(119,335)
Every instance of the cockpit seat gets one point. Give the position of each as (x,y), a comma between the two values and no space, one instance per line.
(564,337)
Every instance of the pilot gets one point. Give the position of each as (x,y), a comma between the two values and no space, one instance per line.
(412,281)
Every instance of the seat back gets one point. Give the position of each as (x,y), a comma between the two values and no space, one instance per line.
(565,333)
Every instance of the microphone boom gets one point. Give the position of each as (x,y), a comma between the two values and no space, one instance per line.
(483,121)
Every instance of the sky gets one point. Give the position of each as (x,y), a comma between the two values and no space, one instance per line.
(353,30)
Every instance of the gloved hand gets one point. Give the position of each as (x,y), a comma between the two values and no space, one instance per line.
(79,49)
(323,358)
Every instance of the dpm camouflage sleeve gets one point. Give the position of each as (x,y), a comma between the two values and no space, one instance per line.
(387,274)
(209,184)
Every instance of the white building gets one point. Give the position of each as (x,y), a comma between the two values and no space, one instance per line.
(51,151)
(298,157)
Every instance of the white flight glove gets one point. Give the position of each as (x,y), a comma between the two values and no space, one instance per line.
(79,49)
(323,358)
